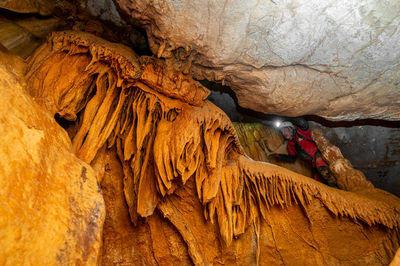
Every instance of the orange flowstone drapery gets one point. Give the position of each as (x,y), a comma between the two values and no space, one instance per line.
(181,159)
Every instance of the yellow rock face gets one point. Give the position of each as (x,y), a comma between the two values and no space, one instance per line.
(51,208)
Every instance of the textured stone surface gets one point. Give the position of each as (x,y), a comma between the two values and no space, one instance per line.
(396,259)
(39,26)
(16,38)
(51,210)
(43,7)
(190,191)
(285,236)
(347,177)
(336,59)
(21,35)
(105,10)
(153,241)
(228,210)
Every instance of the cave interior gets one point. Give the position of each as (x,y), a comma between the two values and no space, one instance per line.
(161,137)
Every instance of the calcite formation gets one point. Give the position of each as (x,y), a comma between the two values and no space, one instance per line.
(51,210)
(187,184)
(334,58)
(347,177)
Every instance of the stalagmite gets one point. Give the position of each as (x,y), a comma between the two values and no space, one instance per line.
(177,148)
(347,177)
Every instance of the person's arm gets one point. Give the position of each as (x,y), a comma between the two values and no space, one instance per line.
(290,157)
(284,157)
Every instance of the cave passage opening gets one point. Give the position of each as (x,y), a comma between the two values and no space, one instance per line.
(371,145)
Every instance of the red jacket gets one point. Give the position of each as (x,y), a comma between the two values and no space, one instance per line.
(303,145)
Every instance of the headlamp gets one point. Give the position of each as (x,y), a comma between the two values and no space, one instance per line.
(277,123)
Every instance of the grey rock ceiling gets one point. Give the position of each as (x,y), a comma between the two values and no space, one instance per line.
(339,59)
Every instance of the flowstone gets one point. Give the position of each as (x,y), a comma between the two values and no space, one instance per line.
(186,181)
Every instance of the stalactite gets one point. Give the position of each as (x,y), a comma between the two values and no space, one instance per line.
(166,132)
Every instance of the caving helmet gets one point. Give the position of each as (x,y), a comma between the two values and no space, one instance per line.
(287,129)
(286,124)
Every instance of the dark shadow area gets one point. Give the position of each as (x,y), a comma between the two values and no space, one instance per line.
(64,123)
(71,16)
(361,122)
(15,15)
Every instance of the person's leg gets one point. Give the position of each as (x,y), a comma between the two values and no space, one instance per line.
(322,168)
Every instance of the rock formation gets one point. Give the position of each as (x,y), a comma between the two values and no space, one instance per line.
(396,260)
(52,209)
(43,7)
(347,177)
(192,194)
(336,59)
(373,150)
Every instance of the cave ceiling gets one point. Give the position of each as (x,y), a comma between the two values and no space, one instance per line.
(336,59)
